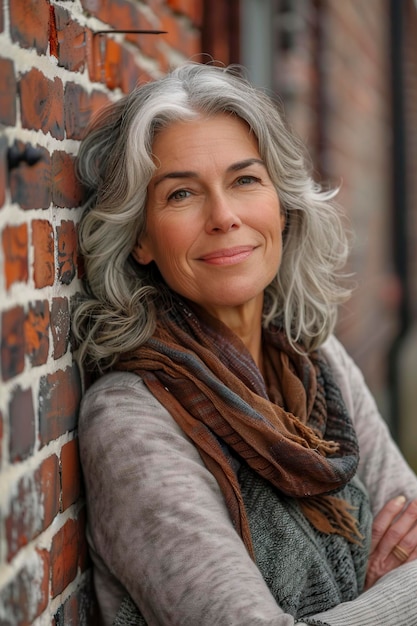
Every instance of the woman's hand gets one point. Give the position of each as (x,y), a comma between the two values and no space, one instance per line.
(394,538)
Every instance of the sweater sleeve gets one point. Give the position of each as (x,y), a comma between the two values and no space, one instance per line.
(158,523)
(160,530)
(382,468)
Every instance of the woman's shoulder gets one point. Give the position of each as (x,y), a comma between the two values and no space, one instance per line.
(116,386)
(341,363)
(118,395)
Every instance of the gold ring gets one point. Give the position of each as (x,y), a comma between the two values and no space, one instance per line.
(401,554)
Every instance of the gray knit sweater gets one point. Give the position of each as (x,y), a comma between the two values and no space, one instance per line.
(160,532)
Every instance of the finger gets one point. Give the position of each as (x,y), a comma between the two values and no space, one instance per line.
(406,548)
(402,533)
(384,519)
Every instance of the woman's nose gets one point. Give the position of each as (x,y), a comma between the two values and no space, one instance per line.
(222,214)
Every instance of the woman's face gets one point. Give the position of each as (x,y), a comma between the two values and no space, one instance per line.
(214,225)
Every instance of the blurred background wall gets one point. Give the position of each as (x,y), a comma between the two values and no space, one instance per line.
(346,73)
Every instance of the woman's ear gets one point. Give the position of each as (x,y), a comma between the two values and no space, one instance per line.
(142,254)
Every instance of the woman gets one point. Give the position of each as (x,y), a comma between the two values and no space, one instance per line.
(220,446)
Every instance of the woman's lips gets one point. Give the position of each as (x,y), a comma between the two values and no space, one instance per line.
(228,256)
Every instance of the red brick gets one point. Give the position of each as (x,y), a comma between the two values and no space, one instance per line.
(145,43)
(43,246)
(64,556)
(30,185)
(15,250)
(60,326)
(67,251)
(120,14)
(3,169)
(22,424)
(71,41)
(113,64)
(70,473)
(186,41)
(59,398)
(132,75)
(96,46)
(8,90)
(49,486)
(36,330)
(80,608)
(42,103)
(98,9)
(26,597)
(80,107)
(33,506)
(66,189)
(191,8)
(12,342)
(29,24)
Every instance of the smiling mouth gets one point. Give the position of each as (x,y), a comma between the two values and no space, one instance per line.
(228,256)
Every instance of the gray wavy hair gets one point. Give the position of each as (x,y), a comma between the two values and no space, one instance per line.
(118,312)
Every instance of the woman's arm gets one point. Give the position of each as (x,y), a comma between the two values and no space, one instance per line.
(158,519)
(391,484)
(159,523)
(382,468)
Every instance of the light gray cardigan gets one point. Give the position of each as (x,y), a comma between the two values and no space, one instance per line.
(150,497)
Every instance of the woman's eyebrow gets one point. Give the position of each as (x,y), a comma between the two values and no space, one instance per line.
(241,165)
(234,167)
(180,174)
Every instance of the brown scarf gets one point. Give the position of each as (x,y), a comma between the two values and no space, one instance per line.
(293,430)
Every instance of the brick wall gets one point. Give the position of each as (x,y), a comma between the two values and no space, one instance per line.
(336,82)
(54,74)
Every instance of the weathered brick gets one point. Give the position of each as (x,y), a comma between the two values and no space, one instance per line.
(15,250)
(12,342)
(132,75)
(65,555)
(36,330)
(145,43)
(71,41)
(70,473)
(42,103)
(80,107)
(191,8)
(120,14)
(22,424)
(43,246)
(112,64)
(34,505)
(67,251)
(3,168)
(50,489)
(30,185)
(8,90)
(96,46)
(80,608)
(60,326)
(59,397)
(66,189)
(29,21)
(186,41)
(26,596)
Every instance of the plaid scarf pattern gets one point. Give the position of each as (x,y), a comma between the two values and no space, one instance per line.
(290,425)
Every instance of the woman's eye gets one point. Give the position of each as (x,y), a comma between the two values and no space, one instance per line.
(180,194)
(247,180)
